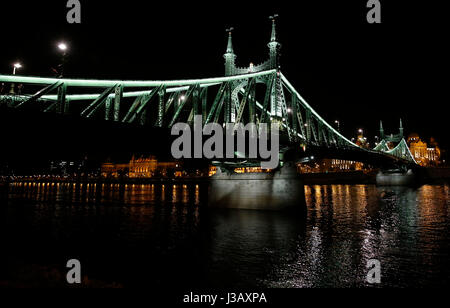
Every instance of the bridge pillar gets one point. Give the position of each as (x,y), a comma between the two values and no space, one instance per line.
(395,178)
(279,190)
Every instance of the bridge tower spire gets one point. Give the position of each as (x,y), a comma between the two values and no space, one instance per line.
(401,128)
(381,131)
(274,46)
(229,55)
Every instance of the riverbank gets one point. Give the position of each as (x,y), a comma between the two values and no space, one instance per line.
(426,175)
(435,175)
(102,180)
(351,177)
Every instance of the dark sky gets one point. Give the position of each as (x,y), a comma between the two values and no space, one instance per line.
(345,68)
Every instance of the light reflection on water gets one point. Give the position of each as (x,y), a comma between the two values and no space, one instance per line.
(123,194)
(155,234)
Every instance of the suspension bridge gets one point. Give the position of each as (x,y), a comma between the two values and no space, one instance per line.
(254,94)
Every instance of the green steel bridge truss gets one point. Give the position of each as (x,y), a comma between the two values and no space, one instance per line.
(256,94)
(261,97)
(401,150)
(231,99)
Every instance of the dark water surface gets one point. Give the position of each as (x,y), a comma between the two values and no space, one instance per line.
(164,235)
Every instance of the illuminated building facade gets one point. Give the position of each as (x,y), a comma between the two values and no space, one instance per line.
(361,141)
(330,165)
(213,170)
(142,168)
(424,154)
(114,170)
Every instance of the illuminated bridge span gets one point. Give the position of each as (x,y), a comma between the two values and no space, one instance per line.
(255,94)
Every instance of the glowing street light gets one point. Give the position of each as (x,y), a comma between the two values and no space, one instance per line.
(338,125)
(360,131)
(62,46)
(16,67)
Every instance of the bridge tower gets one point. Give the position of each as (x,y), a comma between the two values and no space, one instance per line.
(272,63)
(274,46)
(401,128)
(381,131)
(229,56)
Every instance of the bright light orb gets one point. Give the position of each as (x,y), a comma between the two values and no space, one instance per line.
(62,46)
(17,65)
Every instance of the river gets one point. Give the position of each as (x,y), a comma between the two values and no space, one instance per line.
(157,235)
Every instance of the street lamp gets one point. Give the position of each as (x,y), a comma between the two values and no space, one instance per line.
(16,66)
(338,125)
(63,48)
(360,131)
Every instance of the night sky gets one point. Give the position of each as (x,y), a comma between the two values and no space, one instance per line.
(344,67)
